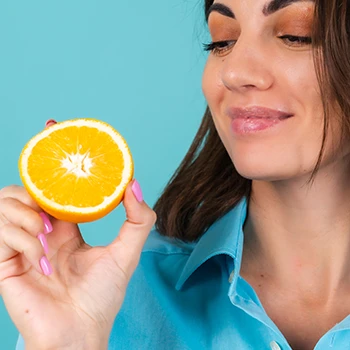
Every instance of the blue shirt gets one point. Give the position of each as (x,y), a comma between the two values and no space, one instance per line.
(191,296)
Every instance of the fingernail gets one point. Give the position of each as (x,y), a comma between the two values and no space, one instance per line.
(47,223)
(43,242)
(45,266)
(136,189)
(50,121)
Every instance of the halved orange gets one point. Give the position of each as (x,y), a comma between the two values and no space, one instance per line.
(77,170)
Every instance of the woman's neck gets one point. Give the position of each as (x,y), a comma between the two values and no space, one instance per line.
(299,234)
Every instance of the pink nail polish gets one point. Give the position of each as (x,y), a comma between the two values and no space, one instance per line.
(50,121)
(45,266)
(47,223)
(43,242)
(136,189)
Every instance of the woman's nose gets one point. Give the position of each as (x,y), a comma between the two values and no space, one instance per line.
(247,67)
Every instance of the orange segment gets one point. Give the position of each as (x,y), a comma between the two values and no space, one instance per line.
(77,170)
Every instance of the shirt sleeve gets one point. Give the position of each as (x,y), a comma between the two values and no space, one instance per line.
(20,343)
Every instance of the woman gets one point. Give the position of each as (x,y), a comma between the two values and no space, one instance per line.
(252,243)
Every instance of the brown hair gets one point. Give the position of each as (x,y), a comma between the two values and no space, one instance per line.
(206,185)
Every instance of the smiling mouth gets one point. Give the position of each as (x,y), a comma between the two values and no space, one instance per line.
(257,113)
(251,120)
(260,117)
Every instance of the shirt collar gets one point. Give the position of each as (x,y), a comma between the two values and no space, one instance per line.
(225,236)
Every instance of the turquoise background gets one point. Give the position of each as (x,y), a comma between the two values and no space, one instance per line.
(134,64)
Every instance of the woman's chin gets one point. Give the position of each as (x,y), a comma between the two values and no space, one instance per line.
(261,176)
(265,172)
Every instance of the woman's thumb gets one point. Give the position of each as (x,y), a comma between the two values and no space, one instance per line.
(140,219)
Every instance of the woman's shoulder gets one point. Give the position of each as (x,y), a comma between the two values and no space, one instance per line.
(152,296)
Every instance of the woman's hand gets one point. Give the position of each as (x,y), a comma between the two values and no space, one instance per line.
(73,307)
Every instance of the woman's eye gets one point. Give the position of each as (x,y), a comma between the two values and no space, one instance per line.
(292,40)
(219,47)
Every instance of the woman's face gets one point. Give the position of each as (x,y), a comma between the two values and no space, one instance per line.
(262,90)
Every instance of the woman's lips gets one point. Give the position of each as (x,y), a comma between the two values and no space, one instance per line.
(253,119)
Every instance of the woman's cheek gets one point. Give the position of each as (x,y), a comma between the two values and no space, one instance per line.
(206,83)
(303,79)
(212,86)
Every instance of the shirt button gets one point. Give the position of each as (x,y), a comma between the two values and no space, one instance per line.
(274,346)
(232,274)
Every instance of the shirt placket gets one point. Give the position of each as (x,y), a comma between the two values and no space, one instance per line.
(253,307)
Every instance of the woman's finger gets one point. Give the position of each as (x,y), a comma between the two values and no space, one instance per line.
(19,214)
(14,240)
(19,193)
(128,245)
(50,122)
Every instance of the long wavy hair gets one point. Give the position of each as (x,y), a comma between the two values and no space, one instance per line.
(206,185)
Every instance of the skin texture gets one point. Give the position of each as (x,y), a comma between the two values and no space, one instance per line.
(297,239)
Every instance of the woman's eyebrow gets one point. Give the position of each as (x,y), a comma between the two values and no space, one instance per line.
(221,8)
(270,8)
(276,5)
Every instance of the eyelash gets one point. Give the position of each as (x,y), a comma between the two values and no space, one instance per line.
(219,47)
